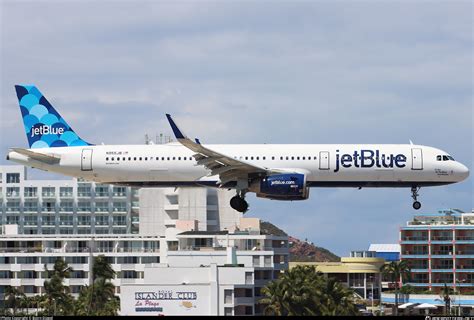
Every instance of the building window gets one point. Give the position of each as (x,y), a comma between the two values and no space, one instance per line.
(66,220)
(66,206)
(119,191)
(228,311)
(30,192)
(102,220)
(120,220)
(65,191)
(228,296)
(84,191)
(48,192)
(31,220)
(13,192)
(13,206)
(30,206)
(101,207)
(102,191)
(13,178)
(119,207)
(83,206)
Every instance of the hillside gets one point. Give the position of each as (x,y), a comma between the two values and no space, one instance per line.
(300,251)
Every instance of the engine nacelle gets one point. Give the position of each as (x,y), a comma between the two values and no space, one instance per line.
(286,186)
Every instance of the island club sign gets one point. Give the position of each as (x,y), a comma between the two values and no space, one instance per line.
(150,301)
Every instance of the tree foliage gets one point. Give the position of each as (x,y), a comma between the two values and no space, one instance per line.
(303,291)
(98,299)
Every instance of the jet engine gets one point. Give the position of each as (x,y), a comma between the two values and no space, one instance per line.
(286,186)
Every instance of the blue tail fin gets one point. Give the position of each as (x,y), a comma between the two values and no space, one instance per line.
(44,126)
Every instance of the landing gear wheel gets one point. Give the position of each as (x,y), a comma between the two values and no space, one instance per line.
(416,205)
(239,204)
(414,195)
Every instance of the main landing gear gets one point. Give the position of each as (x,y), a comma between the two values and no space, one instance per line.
(414,195)
(238,202)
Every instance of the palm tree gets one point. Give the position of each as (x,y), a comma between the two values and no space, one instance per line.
(102,268)
(273,299)
(339,300)
(59,299)
(13,297)
(396,271)
(99,299)
(305,291)
(445,294)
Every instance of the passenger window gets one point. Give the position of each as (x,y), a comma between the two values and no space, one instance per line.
(146,158)
(107,159)
(246,158)
(140,158)
(184,158)
(438,158)
(281,158)
(179,158)
(168,158)
(112,158)
(129,158)
(273,158)
(162,158)
(263,158)
(135,158)
(174,158)
(123,158)
(257,158)
(251,158)
(292,158)
(286,157)
(297,158)
(304,158)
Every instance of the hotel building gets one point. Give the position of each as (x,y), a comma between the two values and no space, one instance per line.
(439,247)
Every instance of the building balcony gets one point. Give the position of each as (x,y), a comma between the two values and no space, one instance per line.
(244,301)
(66,195)
(84,194)
(48,195)
(412,238)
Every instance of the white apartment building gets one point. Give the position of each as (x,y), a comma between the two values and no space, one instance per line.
(80,207)
(65,206)
(222,270)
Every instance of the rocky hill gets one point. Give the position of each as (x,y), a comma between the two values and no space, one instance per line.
(300,251)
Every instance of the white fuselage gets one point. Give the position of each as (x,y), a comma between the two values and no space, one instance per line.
(172,164)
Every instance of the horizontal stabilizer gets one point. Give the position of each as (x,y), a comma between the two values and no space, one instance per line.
(41,157)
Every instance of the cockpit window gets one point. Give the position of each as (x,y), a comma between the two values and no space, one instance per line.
(438,158)
(451,158)
(445,158)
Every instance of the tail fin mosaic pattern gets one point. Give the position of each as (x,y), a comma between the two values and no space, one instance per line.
(44,126)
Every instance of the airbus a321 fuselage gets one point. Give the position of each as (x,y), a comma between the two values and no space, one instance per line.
(274,171)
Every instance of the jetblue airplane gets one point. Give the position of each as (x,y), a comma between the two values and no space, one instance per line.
(273,171)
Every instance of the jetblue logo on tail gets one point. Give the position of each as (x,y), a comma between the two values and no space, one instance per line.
(369,159)
(44,126)
(46,130)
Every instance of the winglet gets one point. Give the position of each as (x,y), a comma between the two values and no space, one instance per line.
(178,134)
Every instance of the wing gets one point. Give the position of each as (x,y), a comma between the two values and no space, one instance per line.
(228,168)
(46,158)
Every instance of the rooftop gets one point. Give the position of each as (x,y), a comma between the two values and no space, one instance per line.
(443,217)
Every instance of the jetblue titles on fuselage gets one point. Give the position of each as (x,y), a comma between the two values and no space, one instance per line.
(369,159)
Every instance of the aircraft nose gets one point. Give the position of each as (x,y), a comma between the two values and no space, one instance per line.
(462,172)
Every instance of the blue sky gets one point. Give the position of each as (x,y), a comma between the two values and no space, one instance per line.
(258,72)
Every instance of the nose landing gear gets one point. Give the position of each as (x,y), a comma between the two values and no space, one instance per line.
(414,195)
(238,202)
